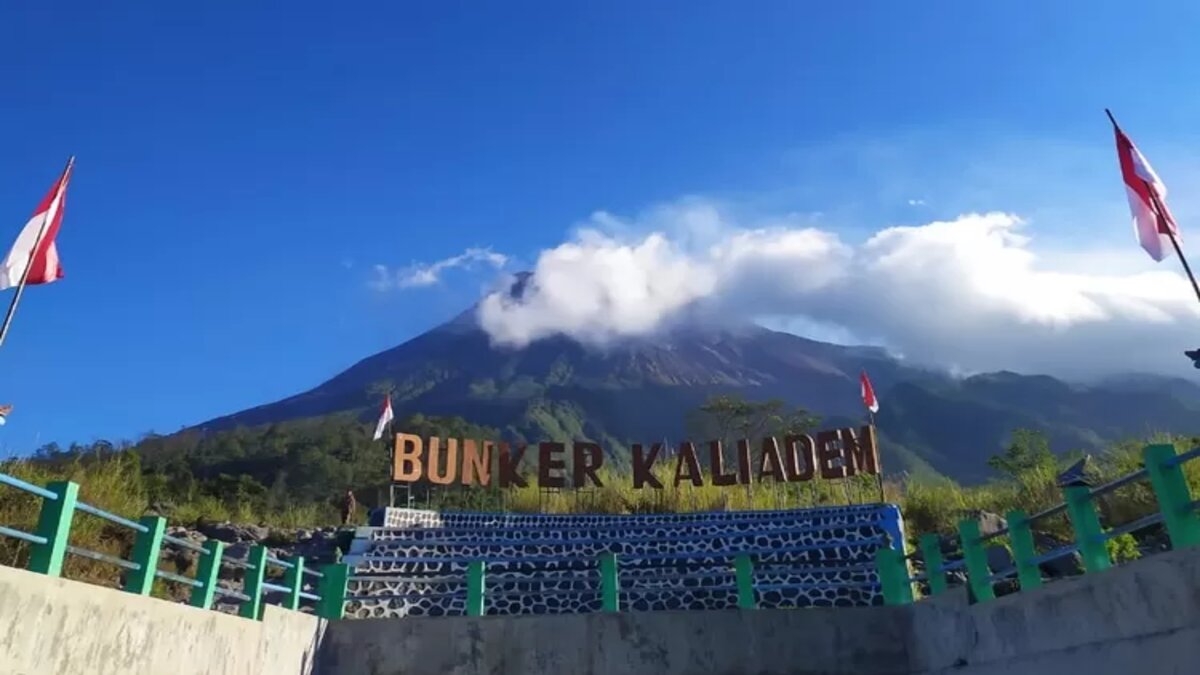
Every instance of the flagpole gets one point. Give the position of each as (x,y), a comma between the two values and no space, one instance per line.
(1162,224)
(871,420)
(12,306)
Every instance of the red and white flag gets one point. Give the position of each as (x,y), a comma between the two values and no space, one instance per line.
(34,248)
(385,418)
(868,393)
(1153,223)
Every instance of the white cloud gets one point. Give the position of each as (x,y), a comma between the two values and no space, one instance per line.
(970,293)
(420,275)
(916,202)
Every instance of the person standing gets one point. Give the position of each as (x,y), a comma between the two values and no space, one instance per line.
(349,506)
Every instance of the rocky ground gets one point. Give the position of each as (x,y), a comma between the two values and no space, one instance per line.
(1152,540)
(319,546)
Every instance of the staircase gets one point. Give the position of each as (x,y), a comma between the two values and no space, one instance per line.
(414,563)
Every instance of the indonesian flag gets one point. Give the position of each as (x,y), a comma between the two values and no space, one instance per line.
(1152,221)
(385,417)
(39,234)
(868,393)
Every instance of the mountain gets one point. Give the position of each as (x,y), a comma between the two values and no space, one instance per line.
(642,391)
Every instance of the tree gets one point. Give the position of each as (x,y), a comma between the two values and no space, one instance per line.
(1028,450)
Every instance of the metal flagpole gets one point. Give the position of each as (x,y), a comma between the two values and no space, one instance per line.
(12,306)
(871,419)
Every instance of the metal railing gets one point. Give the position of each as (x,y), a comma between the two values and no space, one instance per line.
(1177,511)
(50,544)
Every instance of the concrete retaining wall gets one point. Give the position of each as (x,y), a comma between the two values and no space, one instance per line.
(1141,618)
(60,627)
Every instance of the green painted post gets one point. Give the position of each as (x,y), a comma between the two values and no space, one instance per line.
(743,570)
(610,588)
(476,571)
(1089,535)
(146,548)
(975,557)
(1174,497)
(207,573)
(893,576)
(332,589)
(931,550)
(293,578)
(1020,535)
(54,524)
(252,582)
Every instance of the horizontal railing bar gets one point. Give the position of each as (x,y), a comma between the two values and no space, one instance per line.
(631,578)
(184,543)
(176,578)
(1185,457)
(28,487)
(1057,553)
(1002,574)
(276,587)
(120,562)
(309,570)
(1144,521)
(17,534)
(101,513)
(310,596)
(801,586)
(237,562)
(233,594)
(953,565)
(280,563)
(1119,482)
(1053,510)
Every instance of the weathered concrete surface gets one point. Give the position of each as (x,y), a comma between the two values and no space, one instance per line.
(1140,618)
(866,641)
(61,627)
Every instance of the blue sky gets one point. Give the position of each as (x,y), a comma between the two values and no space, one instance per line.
(241,171)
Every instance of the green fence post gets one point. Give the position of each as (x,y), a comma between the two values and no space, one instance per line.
(1089,535)
(893,576)
(1020,535)
(54,524)
(332,589)
(931,550)
(476,571)
(1174,497)
(975,556)
(252,582)
(743,571)
(207,573)
(293,578)
(610,588)
(146,548)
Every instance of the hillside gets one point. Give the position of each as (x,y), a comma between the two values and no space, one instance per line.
(643,390)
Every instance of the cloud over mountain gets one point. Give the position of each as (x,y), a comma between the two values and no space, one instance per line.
(969,294)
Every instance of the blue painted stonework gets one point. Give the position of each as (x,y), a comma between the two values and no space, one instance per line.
(413,563)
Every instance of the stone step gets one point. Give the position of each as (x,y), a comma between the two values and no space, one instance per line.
(414,518)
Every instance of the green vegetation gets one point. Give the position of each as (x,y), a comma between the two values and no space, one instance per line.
(295,474)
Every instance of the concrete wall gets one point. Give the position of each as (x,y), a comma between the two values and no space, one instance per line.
(858,640)
(61,627)
(1141,618)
